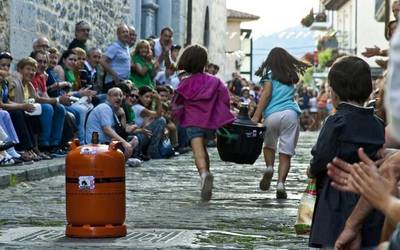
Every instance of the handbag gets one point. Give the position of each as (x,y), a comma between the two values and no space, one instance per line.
(118,128)
(306,209)
(165,147)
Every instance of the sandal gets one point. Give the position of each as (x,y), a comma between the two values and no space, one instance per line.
(45,156)
(34,156)
(26,157)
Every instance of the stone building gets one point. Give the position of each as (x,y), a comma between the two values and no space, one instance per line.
(21,21)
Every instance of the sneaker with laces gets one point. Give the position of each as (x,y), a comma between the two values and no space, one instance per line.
(265,182)
(206,186)
(280,191)
(58,153)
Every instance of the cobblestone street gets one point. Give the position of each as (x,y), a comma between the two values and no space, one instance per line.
(164,195)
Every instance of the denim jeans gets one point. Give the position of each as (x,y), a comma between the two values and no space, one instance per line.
(8,127)
(79,112)
(52,122)
(183,140)
(157,128)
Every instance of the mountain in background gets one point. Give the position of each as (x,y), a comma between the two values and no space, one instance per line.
(296,40)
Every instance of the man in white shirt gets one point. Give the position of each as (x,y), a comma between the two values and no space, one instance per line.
(162,47)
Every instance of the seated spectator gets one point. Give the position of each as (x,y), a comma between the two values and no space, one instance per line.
(132,36)
(92,66)
(54,84)
(41,43)
(169,76)
(165,96)
(28,126)
(151,120)
(245,95)
(66,70)
(163,46)
(173,57)
(82,30)
(212,69)
(104,120)
(53,110)
(116,60)
(143,66)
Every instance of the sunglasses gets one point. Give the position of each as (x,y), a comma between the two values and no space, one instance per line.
(134,96)
(5,54)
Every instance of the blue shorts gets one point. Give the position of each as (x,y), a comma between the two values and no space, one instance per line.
(193,132)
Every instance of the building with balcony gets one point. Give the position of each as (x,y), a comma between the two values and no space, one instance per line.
(239,44)
(356,26)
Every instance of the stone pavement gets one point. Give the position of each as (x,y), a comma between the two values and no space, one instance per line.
(163,208)
(11,175)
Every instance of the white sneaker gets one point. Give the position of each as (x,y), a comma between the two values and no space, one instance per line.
(206,186)
(11,151)
(133,162)
(280,191)
(265,182)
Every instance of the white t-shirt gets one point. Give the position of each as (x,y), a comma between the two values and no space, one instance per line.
(392,91)
(138,108)
(313,104)
(162,79)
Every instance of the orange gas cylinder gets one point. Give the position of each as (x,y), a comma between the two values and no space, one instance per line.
(95,191)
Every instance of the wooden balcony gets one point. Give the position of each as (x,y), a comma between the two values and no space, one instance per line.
(333,4)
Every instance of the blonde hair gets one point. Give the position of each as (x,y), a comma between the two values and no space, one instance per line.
(27,61)
(140,44)
(53,50)
(79,51)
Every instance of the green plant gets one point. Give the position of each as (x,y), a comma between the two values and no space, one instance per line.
(324,57)
(308,76)
(308,20)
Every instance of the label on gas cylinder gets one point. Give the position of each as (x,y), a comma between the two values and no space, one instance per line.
(251,134)
(88,151)
(86,182)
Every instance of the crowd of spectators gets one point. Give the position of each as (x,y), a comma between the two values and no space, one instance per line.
(123,93)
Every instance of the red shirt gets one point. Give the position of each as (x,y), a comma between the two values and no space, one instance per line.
(39,83)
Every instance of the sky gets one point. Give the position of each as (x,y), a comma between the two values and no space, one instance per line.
(275,15)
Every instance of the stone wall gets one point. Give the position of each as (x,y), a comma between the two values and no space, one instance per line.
(4,25)
(217,29)
(56,20)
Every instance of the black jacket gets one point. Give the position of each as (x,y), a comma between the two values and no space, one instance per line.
(343,133)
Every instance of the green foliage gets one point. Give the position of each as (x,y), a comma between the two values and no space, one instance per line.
(324,57)
(308,76)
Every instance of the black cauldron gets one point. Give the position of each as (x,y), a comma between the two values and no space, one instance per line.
(241,141)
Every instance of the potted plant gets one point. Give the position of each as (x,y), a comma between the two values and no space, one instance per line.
(308,20)
(321,17)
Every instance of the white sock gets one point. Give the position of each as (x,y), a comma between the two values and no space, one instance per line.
(7,155)
(204,174)
(11,151)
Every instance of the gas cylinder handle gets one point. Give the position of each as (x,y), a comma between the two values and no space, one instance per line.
(114,145)
(74,143)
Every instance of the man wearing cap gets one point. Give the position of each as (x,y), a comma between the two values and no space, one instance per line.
(82,30)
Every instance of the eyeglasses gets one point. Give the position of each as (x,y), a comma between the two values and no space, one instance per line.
(134,96)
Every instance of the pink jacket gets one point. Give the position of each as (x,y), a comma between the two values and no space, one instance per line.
(202,100)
